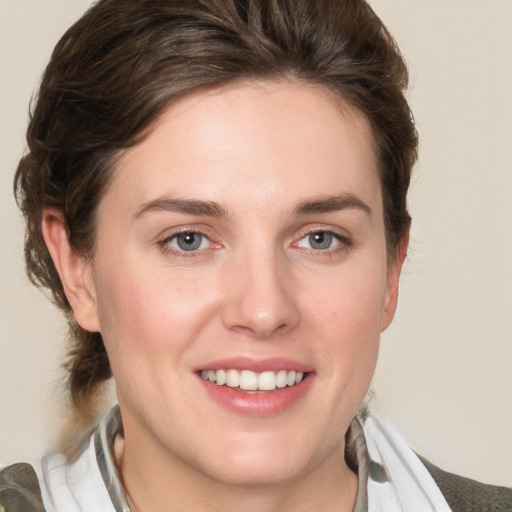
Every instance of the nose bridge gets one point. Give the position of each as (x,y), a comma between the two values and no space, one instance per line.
(260,299)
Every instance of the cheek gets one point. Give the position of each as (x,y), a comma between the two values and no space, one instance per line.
(346,313)
(350,301)
(147,315)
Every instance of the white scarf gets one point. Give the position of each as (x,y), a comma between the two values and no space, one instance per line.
(409,487)
(91,484)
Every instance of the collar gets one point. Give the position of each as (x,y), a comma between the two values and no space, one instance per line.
(110,426)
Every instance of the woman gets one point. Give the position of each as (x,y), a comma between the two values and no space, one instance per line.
(215,194)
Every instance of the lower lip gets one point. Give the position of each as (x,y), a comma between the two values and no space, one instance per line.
(264,403)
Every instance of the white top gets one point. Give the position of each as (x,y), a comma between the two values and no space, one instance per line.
(396,479)
(77,487)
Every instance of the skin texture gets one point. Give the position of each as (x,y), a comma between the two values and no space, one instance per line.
(255,288)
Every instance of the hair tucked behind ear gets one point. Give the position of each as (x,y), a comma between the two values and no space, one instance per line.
(125,61)
(41,181)
(88,366)
(88,371)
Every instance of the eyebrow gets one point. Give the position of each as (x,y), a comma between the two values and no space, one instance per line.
(334,203)
(325,204)
(189,206)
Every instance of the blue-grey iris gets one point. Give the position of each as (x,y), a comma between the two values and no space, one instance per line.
(320,240)
(189,241)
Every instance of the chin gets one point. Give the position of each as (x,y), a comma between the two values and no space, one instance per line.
(255,473)
(261,461)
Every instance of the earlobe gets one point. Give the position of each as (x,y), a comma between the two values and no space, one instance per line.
(74,271)
(392,283)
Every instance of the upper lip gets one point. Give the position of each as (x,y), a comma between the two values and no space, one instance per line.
(256,365)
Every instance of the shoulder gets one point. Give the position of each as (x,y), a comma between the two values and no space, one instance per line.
(19,489)
(464,494)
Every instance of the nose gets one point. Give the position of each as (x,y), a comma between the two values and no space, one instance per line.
(260,298)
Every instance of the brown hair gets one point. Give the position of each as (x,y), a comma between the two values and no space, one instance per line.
(118,67)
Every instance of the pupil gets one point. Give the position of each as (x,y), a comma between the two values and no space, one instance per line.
(320,240)
(189,241)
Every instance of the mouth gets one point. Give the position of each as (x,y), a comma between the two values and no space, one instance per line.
(249,381)
(252,387)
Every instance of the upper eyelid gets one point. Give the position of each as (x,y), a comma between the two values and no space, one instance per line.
(168,234)
(184,231)
(339,238)
(345,235)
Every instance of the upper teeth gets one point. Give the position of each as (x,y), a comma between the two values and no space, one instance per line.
(251,381)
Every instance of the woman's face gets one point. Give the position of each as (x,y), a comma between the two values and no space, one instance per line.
(244,239)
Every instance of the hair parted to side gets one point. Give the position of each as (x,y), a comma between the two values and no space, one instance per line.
(118,68)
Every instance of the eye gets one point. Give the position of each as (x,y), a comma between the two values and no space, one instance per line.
(320,240)
(188,241)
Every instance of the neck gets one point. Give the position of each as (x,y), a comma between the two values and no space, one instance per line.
(164,484)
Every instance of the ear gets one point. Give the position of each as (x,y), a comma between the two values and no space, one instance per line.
(393,277)
(74,271)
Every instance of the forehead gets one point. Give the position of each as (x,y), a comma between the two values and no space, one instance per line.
(254,140)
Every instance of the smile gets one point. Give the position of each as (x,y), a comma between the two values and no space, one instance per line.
(248,380)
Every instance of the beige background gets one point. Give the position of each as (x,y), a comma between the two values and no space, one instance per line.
(445,374)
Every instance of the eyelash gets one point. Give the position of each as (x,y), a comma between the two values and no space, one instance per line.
(166,248)
(344,243)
